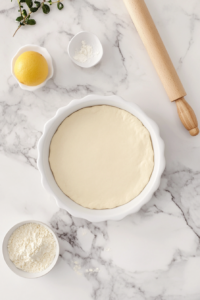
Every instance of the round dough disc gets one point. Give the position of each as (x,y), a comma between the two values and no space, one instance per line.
(101,157)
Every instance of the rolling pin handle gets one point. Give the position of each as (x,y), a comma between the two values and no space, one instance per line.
(194,131)
(162,62)
(187,116)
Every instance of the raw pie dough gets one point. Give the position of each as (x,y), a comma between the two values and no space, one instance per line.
(101,157)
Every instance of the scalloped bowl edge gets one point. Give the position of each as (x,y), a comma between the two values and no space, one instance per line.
(48,58)
(73,208)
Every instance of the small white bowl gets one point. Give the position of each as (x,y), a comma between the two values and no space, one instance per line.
(90,39)
(94,215)
(46,55)
(11,264)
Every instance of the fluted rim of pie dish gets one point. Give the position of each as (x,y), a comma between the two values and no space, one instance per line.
(65,202)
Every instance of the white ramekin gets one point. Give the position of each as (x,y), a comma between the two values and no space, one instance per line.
(66,203)
(90,39)
(46,55)
(11,265)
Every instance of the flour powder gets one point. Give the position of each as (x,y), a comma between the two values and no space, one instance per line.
(32,248)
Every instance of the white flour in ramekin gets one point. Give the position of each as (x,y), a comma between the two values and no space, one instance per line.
(32,247)
(84,53)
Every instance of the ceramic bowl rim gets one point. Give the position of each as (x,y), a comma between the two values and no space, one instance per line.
(62,200)
(33,47)
(77,63)
(11,265)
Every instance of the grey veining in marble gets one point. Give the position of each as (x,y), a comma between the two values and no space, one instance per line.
(151,255)
(147,256)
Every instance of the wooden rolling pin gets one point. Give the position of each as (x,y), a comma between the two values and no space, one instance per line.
(162,62)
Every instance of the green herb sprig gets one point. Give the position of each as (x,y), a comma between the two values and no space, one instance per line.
(25,17)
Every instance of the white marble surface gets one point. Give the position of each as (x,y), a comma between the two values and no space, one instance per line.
(154,254)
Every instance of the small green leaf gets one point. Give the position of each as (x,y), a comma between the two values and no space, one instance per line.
(33,9)
(24,12)
(19,19)
(22,1)
(22,24)
(37,3)
(31,22)
(60,5)
(29,3)
(45,8)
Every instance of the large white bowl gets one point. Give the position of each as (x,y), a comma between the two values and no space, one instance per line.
(11,264)
(66,203)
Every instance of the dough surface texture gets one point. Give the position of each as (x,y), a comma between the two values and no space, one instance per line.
(101,157)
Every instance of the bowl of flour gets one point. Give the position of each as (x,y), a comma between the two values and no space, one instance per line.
(30,249)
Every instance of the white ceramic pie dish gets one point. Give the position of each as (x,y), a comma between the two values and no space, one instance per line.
(66,203)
